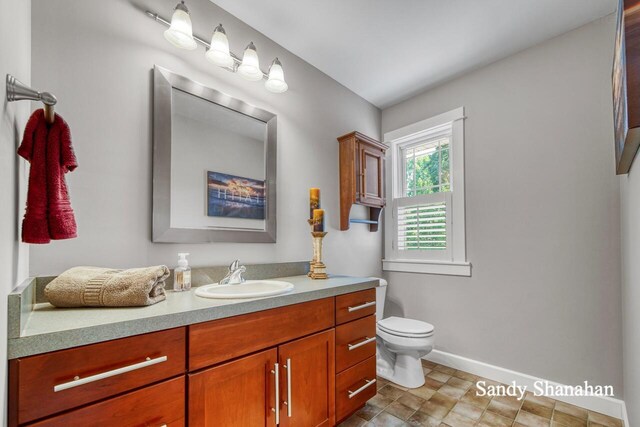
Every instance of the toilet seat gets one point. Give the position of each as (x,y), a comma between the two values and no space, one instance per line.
(410,328)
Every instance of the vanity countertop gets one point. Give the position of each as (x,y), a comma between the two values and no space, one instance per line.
(45,328)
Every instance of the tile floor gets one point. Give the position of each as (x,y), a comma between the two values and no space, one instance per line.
(448,399)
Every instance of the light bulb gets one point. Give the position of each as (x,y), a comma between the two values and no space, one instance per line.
(250,67)
(275,83)
(219,53)
(180,32)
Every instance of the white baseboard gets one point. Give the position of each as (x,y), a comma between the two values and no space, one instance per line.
(604,405)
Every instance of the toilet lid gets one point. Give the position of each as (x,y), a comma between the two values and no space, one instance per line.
(406,327)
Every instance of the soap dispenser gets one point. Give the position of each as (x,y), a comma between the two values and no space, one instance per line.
(182,274)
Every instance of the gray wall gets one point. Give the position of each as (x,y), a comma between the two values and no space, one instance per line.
(630,205)
(542,212)
(98,59)
(15,58)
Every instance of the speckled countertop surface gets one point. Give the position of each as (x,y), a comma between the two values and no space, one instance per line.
(47,328)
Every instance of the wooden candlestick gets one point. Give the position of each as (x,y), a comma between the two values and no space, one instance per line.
(317,269)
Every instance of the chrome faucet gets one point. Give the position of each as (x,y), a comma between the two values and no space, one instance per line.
(234,275)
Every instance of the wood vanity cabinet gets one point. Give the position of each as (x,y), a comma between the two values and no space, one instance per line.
(267,368)
(362,177)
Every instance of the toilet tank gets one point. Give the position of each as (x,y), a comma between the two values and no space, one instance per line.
(381,293)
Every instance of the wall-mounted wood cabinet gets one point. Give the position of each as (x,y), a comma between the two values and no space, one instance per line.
(362,178)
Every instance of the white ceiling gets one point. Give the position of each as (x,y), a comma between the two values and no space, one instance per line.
(389,50)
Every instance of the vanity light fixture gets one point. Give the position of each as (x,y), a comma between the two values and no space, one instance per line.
(250,67)
(180,34)
(219,53)
(275,82)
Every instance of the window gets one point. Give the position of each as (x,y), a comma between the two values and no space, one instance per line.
(425,230)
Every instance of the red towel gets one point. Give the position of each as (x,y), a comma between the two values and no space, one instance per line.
(48,149)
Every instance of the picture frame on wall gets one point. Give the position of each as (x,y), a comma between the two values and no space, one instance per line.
(625,80)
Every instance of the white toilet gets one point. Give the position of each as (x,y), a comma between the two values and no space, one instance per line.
(401,344)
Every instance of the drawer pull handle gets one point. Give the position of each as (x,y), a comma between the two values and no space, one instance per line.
(82,381)
(288,402)
(366,341)
(361,389)
(276,372)
(361,306)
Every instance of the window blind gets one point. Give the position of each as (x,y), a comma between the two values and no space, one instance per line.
(422,226)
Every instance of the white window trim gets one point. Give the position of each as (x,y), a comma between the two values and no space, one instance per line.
(457,265)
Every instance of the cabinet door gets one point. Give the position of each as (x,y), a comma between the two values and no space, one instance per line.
(308,381)
(371,175)
(236,394)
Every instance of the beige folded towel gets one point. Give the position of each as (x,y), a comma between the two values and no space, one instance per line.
(104,287)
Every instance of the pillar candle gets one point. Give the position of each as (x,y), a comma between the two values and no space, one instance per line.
(314,200)
(318,220)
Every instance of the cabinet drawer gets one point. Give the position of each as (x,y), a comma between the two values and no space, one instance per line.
(154,406)
(355,342)
(53,382)
(355,305)
(219,340)
(354,387)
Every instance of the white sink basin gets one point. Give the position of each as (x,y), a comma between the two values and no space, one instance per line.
(248,289)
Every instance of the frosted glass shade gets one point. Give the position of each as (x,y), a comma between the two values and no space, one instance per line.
(180,33)
(250,67)
(275,83)
(219,53)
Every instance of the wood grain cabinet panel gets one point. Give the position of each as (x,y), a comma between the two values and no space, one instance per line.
(219,340)
(48,383)
(154,406)
(355,305)
(309,371)
(372,175)
(355,342)
(354,387)
(235,394)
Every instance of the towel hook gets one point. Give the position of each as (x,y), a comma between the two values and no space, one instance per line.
(18,91)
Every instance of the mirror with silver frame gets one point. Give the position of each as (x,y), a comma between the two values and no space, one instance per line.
(214,165)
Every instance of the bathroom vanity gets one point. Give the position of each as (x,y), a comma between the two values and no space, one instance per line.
(302,359)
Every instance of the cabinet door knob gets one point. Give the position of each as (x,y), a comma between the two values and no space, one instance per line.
(361,306)
(361,389)
(77,381)
(365,341)
(288,401)
(276,372)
